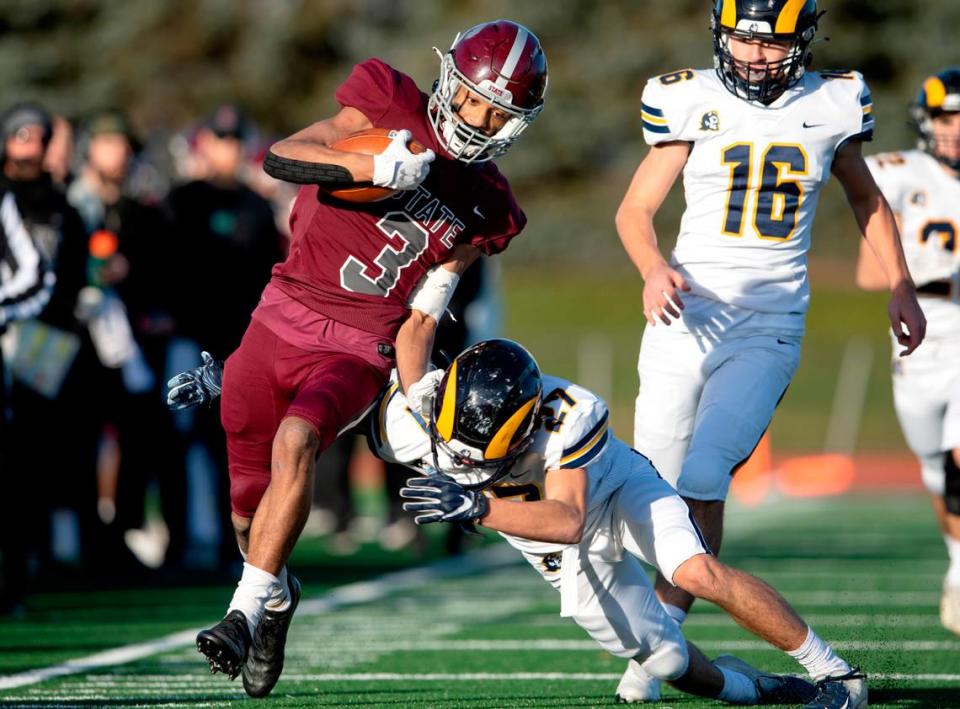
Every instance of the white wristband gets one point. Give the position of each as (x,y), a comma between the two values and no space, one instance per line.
(432,295)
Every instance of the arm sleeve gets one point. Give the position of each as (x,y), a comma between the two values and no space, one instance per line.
(861,122)
(370,88)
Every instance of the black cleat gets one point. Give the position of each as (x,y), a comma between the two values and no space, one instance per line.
(848,691)
(265,660)
(225,645)
(771,688)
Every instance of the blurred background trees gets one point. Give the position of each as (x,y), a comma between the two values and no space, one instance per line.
(168,62)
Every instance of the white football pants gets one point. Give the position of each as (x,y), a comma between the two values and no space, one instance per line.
(703,405)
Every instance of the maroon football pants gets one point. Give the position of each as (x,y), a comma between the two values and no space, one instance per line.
(266,380)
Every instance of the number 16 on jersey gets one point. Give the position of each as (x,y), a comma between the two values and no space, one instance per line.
(776,195)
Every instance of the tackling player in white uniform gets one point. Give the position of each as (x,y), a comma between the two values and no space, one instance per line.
(500,434)
(923,189)
(756,139)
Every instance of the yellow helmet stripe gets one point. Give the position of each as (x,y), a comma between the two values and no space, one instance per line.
(936,92)
(448,405)
(787,22)
(728,18)
(499,445)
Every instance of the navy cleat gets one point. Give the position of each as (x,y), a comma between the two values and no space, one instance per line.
(265,660)
(225,645)
(771,688)
(847,691)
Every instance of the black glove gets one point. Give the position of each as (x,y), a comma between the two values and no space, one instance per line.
(440,498)
(196,386)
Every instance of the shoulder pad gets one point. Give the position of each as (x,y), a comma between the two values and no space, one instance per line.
(578,422)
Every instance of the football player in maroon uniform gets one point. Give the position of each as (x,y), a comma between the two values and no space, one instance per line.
(360,293)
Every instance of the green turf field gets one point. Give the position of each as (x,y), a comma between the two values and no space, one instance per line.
(558,313)
(865,571)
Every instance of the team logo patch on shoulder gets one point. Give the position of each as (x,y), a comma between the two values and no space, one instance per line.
(551,563)
(710,121)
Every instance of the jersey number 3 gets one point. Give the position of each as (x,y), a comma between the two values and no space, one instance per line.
(778,196)
(401,231)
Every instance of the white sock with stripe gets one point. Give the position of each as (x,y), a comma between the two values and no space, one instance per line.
(818,658)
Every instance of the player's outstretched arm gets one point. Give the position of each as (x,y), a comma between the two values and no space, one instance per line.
(415,338)
(558,518)
(879,228)
(650,185)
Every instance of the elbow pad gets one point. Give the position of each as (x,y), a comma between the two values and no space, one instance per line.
(432,295)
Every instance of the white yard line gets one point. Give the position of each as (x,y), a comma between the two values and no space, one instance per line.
(488,559)
(361,592)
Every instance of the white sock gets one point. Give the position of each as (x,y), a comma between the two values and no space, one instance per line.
(818,658)
(280,600)
(953,551)
(678,614)
(737,688)
(256,587)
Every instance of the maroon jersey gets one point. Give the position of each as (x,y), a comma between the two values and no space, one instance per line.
(358,263)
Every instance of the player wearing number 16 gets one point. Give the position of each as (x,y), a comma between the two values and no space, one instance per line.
(756,138)
(360,292)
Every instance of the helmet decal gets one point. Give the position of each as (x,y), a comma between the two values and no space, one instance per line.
(501,442)
(448,404)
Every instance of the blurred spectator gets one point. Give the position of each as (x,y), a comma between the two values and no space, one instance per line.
(223,224)
(59,158)
(128,271)
(52,444)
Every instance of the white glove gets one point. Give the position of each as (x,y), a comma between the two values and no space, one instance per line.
(421,394)
(398,168)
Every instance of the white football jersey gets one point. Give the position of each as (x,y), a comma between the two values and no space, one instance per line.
(926,198)
(752,183)
(574,434)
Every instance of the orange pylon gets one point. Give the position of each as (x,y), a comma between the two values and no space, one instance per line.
(754,479)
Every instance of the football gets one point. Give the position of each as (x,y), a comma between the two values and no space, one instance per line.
(372,141)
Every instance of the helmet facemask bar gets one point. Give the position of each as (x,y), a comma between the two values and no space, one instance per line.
(462,141)
(752,82)
(471,472)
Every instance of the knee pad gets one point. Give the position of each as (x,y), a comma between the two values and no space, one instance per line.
(702,479)
(951,486)
(669,659)
(246,491)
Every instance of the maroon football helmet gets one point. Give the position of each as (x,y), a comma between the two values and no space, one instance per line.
(503,63)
